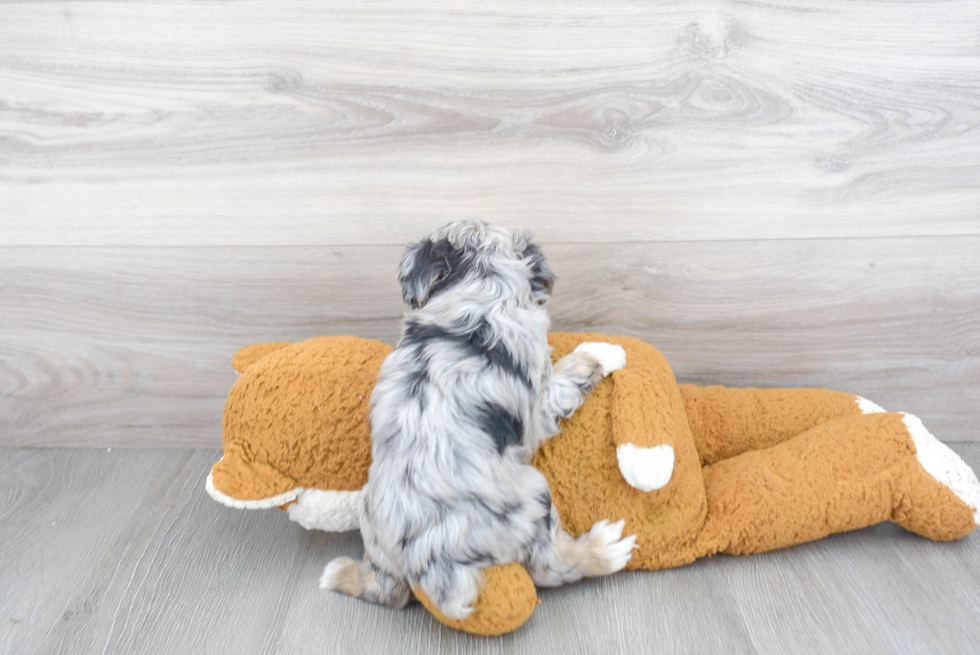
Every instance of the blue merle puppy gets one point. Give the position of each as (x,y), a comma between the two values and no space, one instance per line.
(460,406)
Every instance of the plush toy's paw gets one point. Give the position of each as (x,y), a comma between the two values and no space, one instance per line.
(868,407)
(333,511)
(507,599)
(646,469)
(610,551)
(343,575)
(944,465)
(611,357)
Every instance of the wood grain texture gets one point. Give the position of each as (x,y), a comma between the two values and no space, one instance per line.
(297,123)
(779,194)
(132,346)
(142,561)
(176,574)
(60,514)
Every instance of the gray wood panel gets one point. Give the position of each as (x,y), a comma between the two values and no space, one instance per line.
(132,346)
(60,514)
(297,123)
(142,561)
(182,579)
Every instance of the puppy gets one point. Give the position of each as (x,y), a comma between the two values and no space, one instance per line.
(459,408)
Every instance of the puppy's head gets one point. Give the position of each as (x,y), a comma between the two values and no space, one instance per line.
(473,252)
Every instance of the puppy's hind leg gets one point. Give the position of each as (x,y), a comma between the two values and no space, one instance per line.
(452,586)
(557,558)
(363,580)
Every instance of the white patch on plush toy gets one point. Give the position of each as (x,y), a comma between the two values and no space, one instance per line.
(868,407)
(262,503)
(646,469)
(611,357)
(333,511)
(946,466)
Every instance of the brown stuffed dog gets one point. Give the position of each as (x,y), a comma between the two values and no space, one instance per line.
(694,470)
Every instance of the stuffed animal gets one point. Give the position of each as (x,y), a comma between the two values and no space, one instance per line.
(694,471)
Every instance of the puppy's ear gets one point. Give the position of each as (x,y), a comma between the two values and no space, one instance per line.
(542,278)
(424,265)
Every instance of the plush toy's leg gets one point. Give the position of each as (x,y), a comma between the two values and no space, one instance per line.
(727,422)
(841,475)
(507,599)
(947,468)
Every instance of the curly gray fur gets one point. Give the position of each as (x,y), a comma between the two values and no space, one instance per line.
(460,406)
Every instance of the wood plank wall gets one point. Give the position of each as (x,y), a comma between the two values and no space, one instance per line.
(774,194)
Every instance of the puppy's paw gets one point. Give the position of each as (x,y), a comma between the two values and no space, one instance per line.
(456,611)
(610,550)
(610,356)
(344,575)
(452,588)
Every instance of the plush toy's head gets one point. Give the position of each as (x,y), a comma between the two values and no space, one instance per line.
(297,421)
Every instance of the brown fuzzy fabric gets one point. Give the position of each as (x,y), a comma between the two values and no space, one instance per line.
(248,355)
(581,466)
(845,474)
(725,422)
(754,469)
(298,417)
(507,599)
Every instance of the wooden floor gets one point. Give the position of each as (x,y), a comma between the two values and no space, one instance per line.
(121,551)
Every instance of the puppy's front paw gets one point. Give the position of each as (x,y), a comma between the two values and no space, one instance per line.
(610,550)
(344,575)
(610,356)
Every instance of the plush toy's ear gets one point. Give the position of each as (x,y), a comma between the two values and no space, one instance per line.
(646,422)
(251,354)
(507,599)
